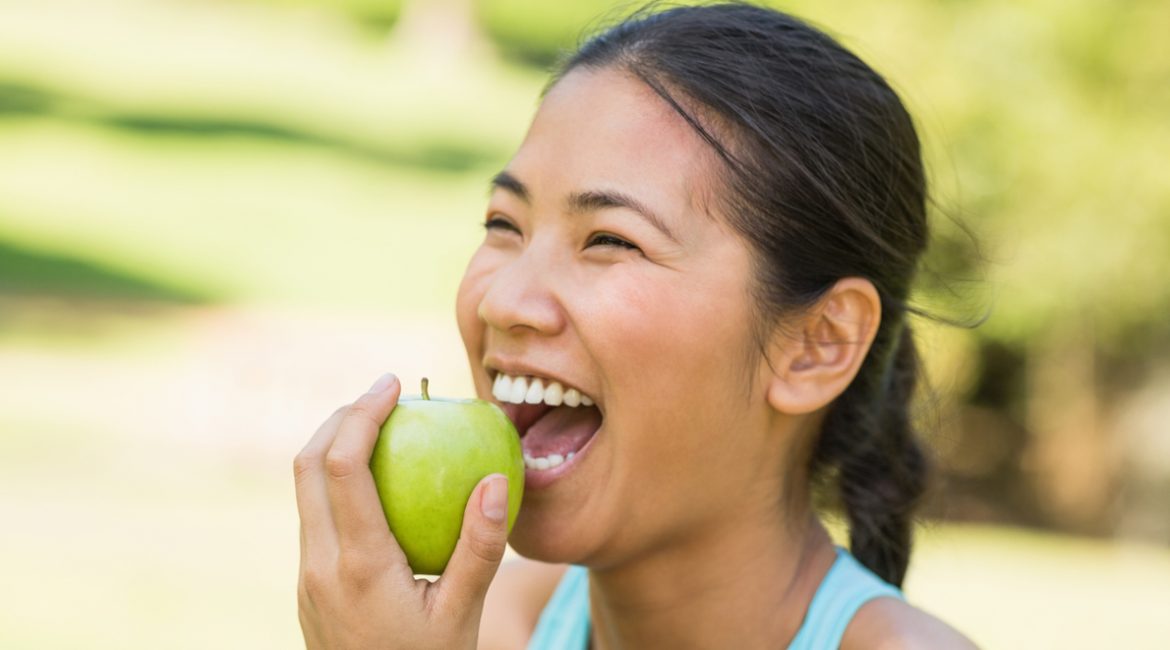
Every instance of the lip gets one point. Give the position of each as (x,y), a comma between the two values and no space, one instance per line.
(535,479)
(540,479)
(516,368)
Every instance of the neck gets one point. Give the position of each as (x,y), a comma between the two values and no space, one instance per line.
(747,586)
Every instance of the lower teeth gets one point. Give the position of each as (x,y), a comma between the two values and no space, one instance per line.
(547,462)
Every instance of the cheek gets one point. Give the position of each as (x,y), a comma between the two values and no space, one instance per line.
(673,358)
(473,286)
(675,354)
(673,342)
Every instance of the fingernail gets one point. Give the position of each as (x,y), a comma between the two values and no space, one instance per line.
(494,503)
(383,383)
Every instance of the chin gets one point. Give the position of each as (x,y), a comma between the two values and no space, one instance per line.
(547,539)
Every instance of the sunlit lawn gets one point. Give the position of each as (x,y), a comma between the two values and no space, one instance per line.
(247,154)
(234,232)
(240,220)
(145,486)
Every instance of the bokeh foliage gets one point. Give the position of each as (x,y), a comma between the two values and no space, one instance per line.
(1046,132)
(214,215)
(1046,125)
(140,153)
(537,33)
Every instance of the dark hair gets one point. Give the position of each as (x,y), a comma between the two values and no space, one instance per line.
(823,178)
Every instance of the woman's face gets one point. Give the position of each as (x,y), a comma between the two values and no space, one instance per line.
(652,322)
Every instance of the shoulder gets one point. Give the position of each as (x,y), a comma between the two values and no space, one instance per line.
(514,601)
(893,624)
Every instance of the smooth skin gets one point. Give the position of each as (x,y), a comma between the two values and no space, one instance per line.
(690,506)
(355,587)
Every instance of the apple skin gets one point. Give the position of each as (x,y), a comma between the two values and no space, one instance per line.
(430,455)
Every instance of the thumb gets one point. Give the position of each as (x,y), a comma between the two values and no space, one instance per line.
(480,547)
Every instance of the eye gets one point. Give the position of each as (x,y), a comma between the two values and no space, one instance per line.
(496,223)
(602,239)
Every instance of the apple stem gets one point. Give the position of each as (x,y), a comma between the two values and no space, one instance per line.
(424,389)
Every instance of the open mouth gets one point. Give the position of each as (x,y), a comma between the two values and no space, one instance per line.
(554,423)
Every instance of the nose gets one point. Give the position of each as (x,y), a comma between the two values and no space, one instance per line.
(521,297)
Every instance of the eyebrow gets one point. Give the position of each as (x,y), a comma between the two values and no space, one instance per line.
(588,201)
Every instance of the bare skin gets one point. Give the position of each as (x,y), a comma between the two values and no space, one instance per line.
(690,510)
(689,505)
(522,588)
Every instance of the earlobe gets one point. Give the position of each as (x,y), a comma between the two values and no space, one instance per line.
(814,364)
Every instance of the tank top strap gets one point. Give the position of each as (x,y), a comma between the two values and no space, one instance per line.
(564,623)
(846,587)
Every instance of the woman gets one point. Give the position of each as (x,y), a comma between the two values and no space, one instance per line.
(698,263)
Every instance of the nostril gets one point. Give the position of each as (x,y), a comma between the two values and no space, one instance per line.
(518,299)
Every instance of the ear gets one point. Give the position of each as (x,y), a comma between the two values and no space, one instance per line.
(812,368)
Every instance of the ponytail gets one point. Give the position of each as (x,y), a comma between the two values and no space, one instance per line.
(881,470)
(821,174)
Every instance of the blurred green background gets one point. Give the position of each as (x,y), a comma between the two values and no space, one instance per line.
(220,220)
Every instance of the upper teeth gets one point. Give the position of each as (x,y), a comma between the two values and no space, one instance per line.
(534,390)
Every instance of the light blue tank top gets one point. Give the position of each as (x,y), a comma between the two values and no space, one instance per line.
(564,623)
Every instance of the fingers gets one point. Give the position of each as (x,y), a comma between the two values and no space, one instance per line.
(357,512)
(480,547)
(348,556)
(312,497)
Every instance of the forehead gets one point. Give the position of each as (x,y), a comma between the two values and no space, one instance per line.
(604,126)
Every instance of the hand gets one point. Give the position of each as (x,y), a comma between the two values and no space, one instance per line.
(356,589)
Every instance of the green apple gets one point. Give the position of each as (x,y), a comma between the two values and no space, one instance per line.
(430,455)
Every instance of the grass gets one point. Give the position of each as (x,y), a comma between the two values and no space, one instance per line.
(1014,588)
(34,272)
(218,222)
(241,220)
(146,485)
(244,154)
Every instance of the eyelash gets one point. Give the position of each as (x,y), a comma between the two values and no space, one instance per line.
(610,240)
(598,239)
